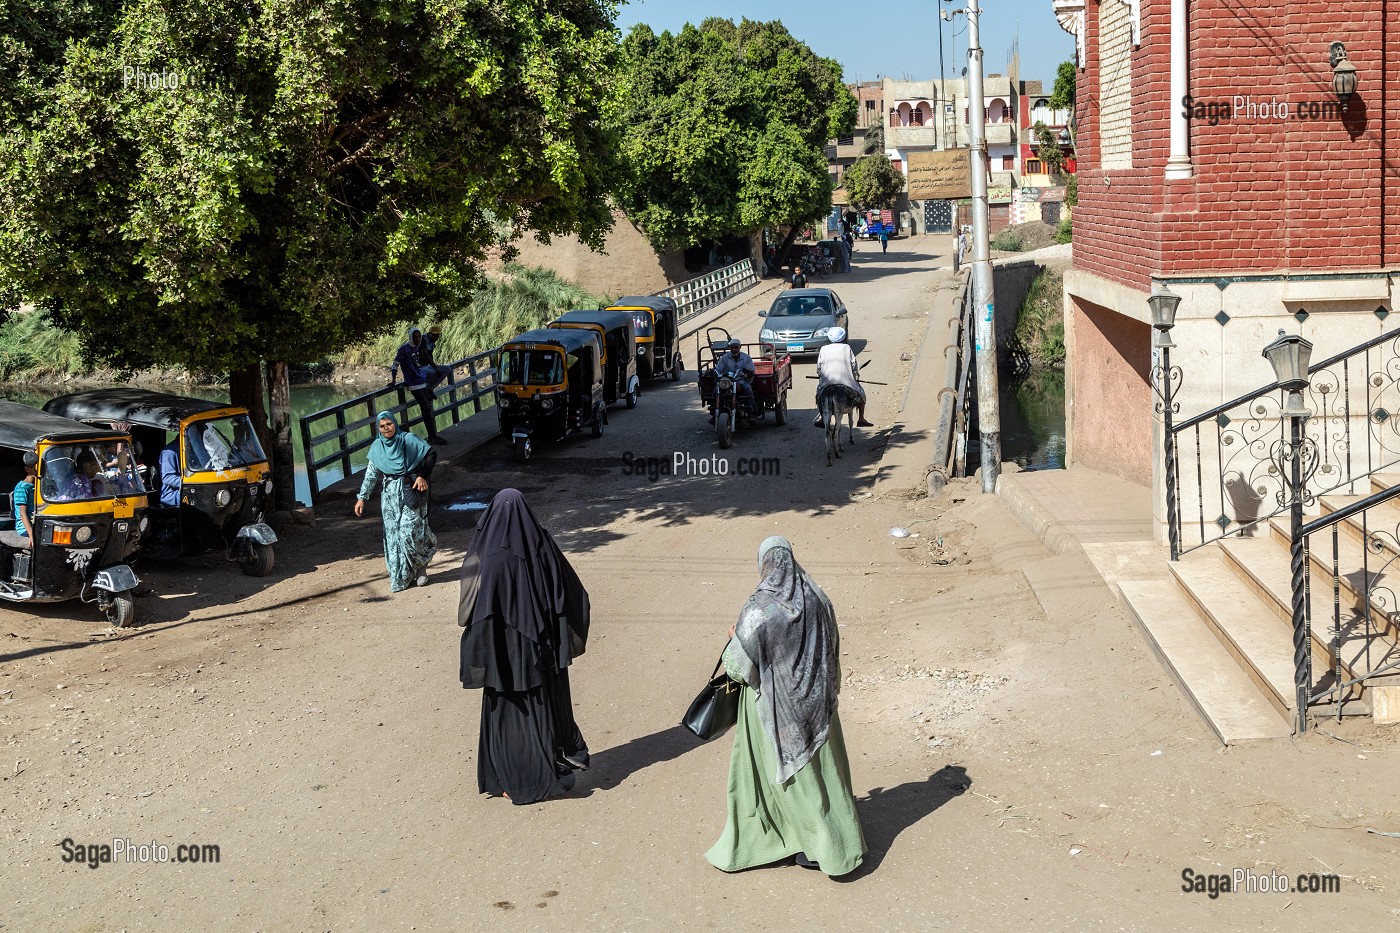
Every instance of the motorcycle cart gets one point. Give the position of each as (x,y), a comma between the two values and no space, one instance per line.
(720,395)
(87,506)
(615,329)
(656,323)
(549,384)
(217,499)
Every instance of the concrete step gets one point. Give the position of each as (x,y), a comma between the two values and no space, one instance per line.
(1383,481)
(1262,564)
(1232,706)
(1244,625)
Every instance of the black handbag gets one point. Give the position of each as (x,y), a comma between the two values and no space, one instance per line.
(716,708)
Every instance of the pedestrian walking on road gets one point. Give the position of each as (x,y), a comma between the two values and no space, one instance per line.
(401,462)
(789,778)
(526,617)
(884,241)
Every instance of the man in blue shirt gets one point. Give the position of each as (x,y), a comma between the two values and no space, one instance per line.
(23,504)
(170,479)
(416,380)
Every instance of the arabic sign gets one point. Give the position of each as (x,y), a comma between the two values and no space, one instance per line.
(1042,194)
(939,175)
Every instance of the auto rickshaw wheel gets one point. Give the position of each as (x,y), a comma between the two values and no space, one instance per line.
(600,418)
(676,368)
(632,398)
(522,449)
(780,411)
(724,427)
(259,561)
(121,611)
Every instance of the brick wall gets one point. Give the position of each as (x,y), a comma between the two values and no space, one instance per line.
(1269,194)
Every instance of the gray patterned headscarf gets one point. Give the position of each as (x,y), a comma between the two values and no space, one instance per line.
(788,631)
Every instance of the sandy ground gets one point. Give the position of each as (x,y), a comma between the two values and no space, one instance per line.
(1018,765)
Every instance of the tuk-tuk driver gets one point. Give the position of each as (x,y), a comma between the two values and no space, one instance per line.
(85,483)
(738,364)
(170,479)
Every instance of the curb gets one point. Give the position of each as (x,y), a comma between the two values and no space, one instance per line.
(1052,533)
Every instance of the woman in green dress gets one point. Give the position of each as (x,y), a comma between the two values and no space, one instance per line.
(402,462)
(789,779)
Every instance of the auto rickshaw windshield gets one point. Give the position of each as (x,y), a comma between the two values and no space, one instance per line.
(222,444)
(91,470)
(538,367)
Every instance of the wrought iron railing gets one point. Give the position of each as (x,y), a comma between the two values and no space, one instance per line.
(1365,610)
(1232,483)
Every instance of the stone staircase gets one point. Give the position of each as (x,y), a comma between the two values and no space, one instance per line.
(1221,624)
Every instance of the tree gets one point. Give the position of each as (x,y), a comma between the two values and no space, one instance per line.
(724,128)
(1062,94)
(216,184)
(873,181)
(1048,149)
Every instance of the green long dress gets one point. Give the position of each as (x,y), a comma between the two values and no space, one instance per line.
(409,544)
(813,812)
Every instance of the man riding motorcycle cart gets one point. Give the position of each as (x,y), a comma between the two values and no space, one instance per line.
(739,365)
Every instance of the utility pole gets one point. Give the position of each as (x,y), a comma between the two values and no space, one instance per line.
(983,292)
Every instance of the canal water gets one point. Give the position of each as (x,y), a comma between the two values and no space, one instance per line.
(305,400)
(1032,423)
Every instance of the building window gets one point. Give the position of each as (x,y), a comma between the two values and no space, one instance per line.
(1008,163)
(845,140)
(870,105)
(918,117)
(898,165)
(1035,167)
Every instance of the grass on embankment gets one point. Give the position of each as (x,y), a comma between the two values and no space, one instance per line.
(1041,329)
(33,351)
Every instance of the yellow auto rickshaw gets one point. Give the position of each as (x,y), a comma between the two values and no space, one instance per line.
(210,481)
(656,322)
(85,507)
(615,330)
(549,384)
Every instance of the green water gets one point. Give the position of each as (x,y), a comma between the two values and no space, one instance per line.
(306,399)
(1032,422)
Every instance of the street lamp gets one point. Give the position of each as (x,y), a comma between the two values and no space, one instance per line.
(1343,73)
(1289,355)
(1165,377)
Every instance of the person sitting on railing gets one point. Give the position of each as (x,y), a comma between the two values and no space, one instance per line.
(416,381)
(431,369)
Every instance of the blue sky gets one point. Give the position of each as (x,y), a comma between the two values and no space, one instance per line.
(897,38)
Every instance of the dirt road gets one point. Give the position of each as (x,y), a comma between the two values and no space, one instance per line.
(1004,756)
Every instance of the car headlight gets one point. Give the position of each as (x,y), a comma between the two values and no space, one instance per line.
(821,331)
(767,334)
(546,403)
(82,535)
(222,498)
(641,351)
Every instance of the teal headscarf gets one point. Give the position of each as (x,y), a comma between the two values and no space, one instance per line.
(398,454)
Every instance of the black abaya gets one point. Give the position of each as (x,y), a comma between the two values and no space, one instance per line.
(526,616)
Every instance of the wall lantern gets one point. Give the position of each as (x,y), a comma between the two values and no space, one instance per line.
(1290,355)
(1163,304)
(1343,73)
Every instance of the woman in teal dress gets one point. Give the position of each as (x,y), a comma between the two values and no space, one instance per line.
(789,778)
(402,462)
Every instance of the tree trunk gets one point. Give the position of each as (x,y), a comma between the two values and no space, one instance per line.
(787,245)
(283,454)
(246,390)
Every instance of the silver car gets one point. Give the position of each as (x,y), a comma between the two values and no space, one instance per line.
(800,318)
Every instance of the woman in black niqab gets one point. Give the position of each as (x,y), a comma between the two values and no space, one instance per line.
(526,617)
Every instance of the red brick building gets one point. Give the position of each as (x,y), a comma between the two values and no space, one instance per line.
(1262,201)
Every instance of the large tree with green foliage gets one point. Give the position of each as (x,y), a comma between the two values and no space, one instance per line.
(724,128)
(873,181)
(302,173)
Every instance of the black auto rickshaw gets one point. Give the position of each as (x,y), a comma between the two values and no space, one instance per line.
(209,478)
(656,323)
(549,383)
(614,328)
(86,507)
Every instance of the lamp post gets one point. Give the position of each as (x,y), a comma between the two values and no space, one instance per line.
(1165,377)
(1343,73)
(1289,355)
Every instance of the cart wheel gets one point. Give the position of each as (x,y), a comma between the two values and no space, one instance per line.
(259,563)
(724,426)
(780,412)
(522,449)
(121,612)
(632,399)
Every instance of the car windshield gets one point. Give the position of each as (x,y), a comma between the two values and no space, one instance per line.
(800,306)
(94,470)
(641,322)
(222,444)
(532,368)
